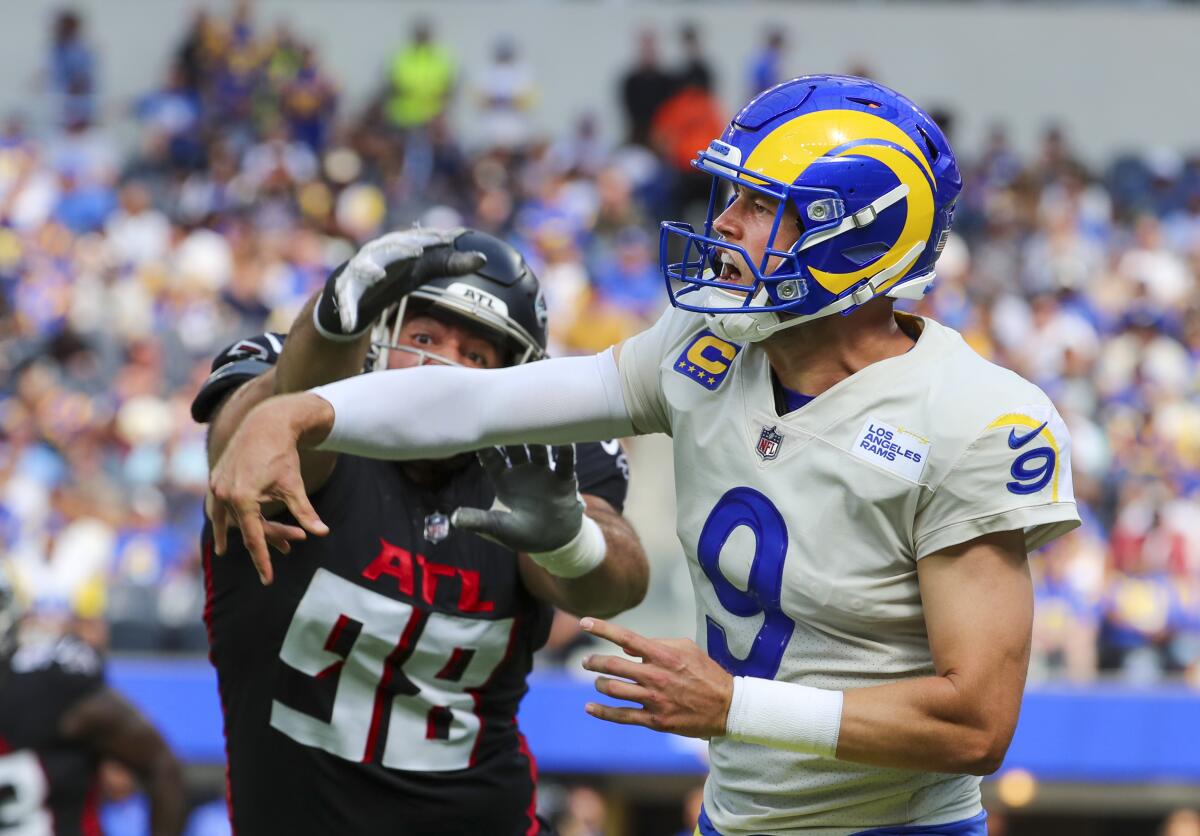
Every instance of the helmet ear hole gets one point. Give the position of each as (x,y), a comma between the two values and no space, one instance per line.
(864,254)
(929,145)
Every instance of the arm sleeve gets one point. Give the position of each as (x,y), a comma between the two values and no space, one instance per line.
(641,358)
(1015,475)
(440,411)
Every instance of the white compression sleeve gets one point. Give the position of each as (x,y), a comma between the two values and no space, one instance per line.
(435,411)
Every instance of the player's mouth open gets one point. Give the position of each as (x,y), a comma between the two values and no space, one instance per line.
(729,272)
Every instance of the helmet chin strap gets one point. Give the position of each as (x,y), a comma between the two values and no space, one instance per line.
(741,324)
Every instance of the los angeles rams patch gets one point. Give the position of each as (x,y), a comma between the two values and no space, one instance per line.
(706,359)
(900,451)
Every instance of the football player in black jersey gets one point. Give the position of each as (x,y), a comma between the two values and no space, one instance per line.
(57,721)
(373,685)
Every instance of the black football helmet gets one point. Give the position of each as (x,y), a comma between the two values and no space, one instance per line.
(504,298)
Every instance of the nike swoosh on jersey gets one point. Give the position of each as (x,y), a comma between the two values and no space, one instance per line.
(1016,442)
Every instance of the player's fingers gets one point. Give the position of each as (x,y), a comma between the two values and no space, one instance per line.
(298,503)
(460,264)
(615,666)
(284,531)
(517,454)
(539,454)
(220,526)
(250,522)
(484,523)
(627,640)
(493,461)
(622,690)
(441,260)
(279,535)
(624,716)
(564,461)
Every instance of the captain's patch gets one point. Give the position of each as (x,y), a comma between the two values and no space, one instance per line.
(706,359)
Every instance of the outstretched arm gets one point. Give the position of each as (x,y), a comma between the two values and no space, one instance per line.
(407,414)
(107,723)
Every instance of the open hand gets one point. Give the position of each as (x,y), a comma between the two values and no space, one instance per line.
(262,464)
(681,690)
(545,510)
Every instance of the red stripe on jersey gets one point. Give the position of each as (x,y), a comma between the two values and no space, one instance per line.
(89,823)
(456,665)
(390,664)
(208,627)
(477,693)
(335,635)
(535,826)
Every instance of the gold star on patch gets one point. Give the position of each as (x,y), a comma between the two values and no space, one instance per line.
(712,380)
(682,363)
(691,369)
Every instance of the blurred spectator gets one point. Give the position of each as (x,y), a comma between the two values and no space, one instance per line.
(765,68)
(1066,610)
(586,813)
(137,232)
(629,280)
(644,88)
(506,95)
(308,100)
(1141,607)
(696,70)
(72,70)
(683,124)
(422,79)
(170,119)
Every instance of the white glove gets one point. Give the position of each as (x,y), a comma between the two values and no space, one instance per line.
(382,272)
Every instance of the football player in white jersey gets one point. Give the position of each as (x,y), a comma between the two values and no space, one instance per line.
(857,489)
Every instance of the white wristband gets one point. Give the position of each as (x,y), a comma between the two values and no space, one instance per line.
(785,716)
(584,552)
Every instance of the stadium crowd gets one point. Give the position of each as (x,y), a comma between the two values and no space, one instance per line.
(125,267)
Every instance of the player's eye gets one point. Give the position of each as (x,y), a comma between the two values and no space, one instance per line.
(421,339)
(476,359)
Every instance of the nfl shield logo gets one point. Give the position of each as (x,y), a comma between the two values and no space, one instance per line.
(437,527)
(768,444)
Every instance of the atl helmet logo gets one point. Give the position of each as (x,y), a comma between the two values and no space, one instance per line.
(769,442)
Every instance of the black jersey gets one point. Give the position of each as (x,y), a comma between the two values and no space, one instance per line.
(373,688)
(47,782)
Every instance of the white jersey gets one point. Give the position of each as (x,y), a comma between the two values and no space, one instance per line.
(803,533)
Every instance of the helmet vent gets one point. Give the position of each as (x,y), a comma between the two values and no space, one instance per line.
(933,151)
(865,253)
(865,102)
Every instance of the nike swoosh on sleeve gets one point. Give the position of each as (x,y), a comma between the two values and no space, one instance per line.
(1016,442)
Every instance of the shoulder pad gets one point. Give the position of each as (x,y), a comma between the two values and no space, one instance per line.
(237,363)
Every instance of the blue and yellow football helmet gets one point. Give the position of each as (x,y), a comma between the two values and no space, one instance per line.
(873,183)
